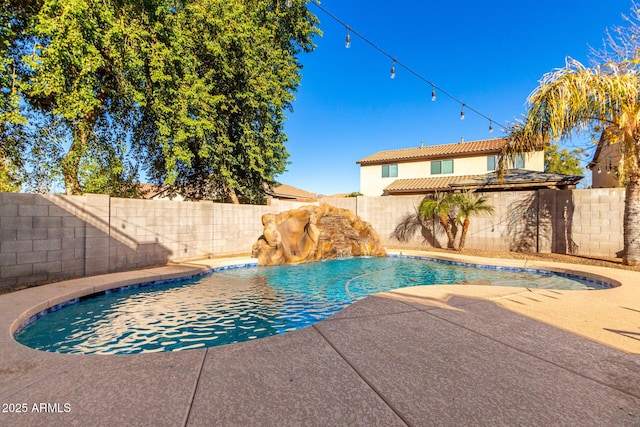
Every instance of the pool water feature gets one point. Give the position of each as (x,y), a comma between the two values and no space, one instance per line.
(242,304)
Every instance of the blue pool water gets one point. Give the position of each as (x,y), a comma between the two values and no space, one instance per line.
(235,305)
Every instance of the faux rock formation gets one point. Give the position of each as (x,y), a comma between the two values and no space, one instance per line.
(312,233)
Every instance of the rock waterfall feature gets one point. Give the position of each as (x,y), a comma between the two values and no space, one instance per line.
(312,233)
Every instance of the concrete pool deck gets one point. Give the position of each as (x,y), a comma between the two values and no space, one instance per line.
(437,355)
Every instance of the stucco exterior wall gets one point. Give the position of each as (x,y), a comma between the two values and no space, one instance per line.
(372,183)
(603,173)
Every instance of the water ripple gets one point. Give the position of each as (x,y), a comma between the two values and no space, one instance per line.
(244,304)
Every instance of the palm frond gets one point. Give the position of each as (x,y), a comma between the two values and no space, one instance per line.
(576,99)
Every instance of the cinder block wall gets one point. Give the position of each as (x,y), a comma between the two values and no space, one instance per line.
(152,232)
(597,221)
(237,227)
(45,237)
(350,203)
(581,222)
(385,213)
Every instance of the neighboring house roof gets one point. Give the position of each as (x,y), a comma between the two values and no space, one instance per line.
(421,185)
(486,146)
(284,191)
(513,179)
(149,191)
(156,192)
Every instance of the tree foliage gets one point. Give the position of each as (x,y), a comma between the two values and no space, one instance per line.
(622,42)
(470,204)
(441,206)
(78,72)
(447,209)
(192,91)
(218,110)
(562,161)
(12,21)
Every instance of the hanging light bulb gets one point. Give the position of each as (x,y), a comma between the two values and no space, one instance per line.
(347,42)
(393,70)
(490,127)
(288,3)
(433,93)
(462,113)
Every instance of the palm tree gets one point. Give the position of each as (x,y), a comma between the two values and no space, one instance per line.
(440,206)
(470,204)
(577,98)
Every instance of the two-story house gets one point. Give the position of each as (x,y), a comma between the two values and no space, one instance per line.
(453,167)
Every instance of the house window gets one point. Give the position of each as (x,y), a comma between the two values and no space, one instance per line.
(518,162)
(441,166)
(389,171)
(491,163)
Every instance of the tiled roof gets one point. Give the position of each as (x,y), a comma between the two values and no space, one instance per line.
(516,178)
(148,191)
(424,184)
(437,151)
(291,192)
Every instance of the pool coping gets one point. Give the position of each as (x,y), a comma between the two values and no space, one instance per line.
(594,316)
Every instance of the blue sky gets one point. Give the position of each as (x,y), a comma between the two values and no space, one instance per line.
(489,55)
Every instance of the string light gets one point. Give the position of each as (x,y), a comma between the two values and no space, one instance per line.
(288,3)
(395,61)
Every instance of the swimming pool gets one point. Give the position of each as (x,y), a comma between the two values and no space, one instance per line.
(241,304)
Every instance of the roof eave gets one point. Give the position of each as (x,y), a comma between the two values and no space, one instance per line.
(430,157)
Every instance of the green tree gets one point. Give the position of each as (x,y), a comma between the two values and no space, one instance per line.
(574,98)
(79,61)
(197,88)
(13,18)
(563,161)
(469,205)
(9,177)
(104,171)
(221,75)
(441,207)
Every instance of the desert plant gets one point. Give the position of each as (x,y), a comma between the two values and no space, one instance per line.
(468,205)
(441,207)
